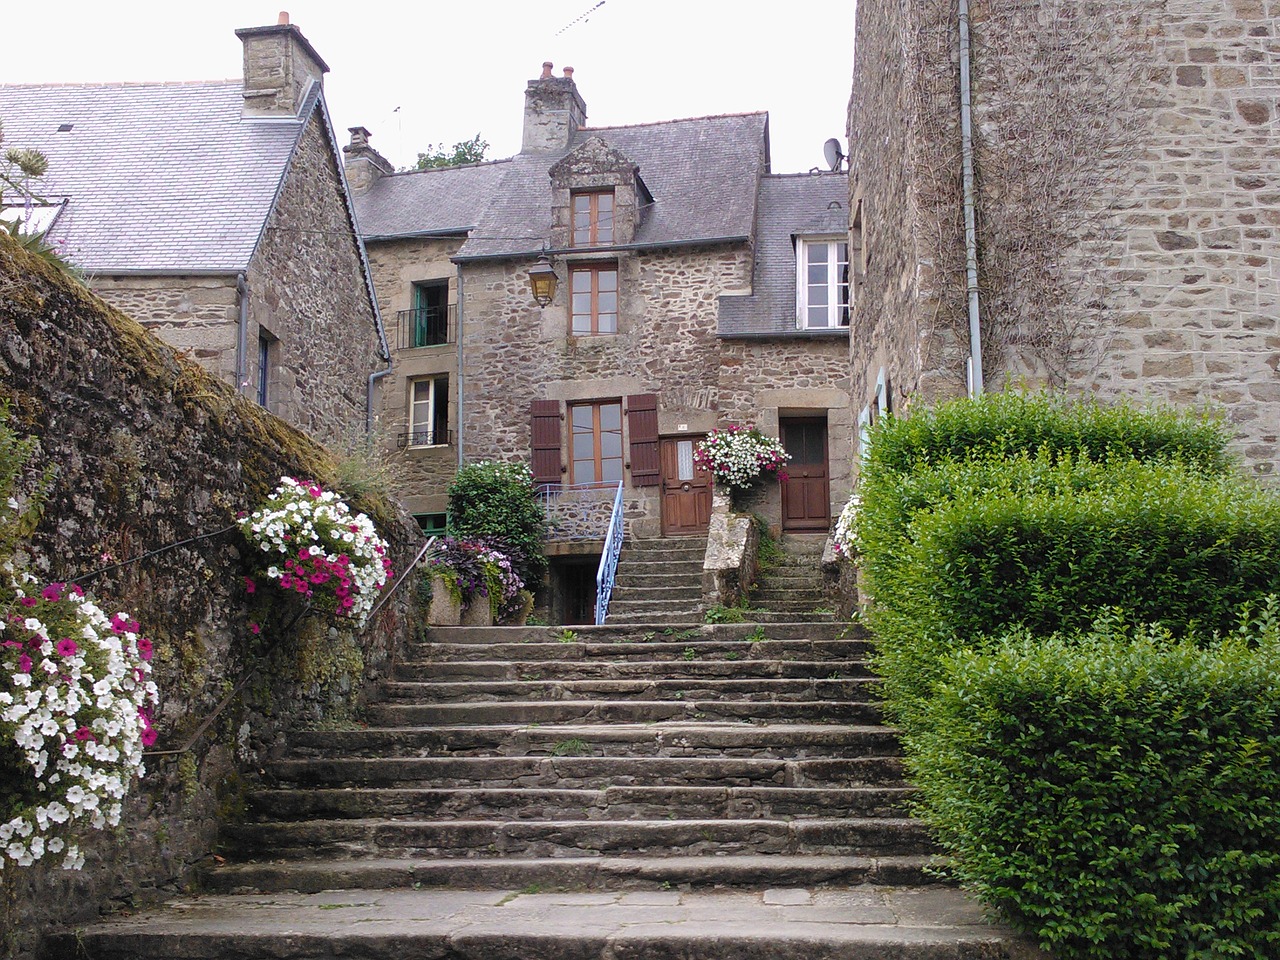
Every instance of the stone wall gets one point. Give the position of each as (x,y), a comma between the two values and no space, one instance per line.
(1128,198)
(423,473)
(307,290)
(148,450)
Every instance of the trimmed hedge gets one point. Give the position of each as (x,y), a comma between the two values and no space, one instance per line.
(495,502)
(1003,424)
(1114,795)
(1043,545)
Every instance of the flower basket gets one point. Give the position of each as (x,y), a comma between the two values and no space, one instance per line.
(739,457)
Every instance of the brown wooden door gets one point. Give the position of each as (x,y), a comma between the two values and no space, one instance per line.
(806,494)
(686,489)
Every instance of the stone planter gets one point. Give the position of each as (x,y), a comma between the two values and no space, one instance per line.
(444,610)
(477,613)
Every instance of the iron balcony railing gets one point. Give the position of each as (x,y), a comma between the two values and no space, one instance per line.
(591,512)
(426,327)
(424,438)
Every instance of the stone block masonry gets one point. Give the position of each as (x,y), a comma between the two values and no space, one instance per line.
(148,449)
(1128,164)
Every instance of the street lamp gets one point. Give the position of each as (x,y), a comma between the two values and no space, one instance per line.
(542,281)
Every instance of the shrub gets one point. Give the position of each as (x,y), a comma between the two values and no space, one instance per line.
(496,502)
(1114,794)
(1003,424)
(1030,543)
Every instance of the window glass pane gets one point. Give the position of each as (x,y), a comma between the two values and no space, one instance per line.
(817,274)
(581,280)
(581,326)
(818,316)
(584,471)
(607,323)
(582,303)
(684,460)
(818,295)
(584,446)
(607,302)
(581,417)
(611,471)
(817,253)
(608,279)
(610,444)
(611,416)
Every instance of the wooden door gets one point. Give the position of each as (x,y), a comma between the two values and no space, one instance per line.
(806,494)
(686,489)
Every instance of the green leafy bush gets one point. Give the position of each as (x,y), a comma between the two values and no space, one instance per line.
(1114,794)
(1042,544)
(1003,424)
(495,502)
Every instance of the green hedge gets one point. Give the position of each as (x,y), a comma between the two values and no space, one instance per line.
(1114,795)
(496,502)
(1003,424)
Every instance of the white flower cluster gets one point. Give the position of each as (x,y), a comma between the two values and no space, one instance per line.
(737,456)
(319,548)
(75,699)
(846,531)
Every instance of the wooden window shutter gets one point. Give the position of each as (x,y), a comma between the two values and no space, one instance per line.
(642,425)
(546,441)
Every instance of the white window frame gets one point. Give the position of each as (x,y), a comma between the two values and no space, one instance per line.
(429,420)
(836,320)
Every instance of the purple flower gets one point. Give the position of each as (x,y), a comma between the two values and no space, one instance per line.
(66,647)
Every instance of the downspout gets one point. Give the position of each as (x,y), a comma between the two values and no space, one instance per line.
(458,333)
(242,333)
(970,224)
(374,378)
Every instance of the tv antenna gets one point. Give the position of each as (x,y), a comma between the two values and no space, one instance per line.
(580,18)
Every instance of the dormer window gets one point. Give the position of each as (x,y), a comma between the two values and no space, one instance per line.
(822,283)
(592,218)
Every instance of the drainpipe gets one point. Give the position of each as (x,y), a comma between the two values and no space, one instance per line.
(242,332)
(970,225)
(458,333)
(373,379)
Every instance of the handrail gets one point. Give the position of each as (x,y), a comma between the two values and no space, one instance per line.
(609,559)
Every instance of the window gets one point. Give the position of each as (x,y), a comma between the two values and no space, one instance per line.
(428,321)
(596,442)
(431,524)
(267,351)
(592,218)
(822,284)
(428,413)
(594,289)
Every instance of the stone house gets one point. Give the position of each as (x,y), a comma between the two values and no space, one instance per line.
(676,253)
(1125,198)
(217,214)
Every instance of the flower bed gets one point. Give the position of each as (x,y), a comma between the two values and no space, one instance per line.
(472,569)
(738,456)
(75,713)
(317,548)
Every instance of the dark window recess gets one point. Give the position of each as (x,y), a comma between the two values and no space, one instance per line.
(432,524)
(429,318)
(642,427)
(546,426)
(264,368)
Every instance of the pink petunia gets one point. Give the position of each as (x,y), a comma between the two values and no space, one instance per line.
(24,664)
(250,586)
(53,592)
(83,734)
(66,647)
(255,629)
(145,648)
(28,601)
(119,623)
(75,591)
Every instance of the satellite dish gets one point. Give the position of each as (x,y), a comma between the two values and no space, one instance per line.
(831,150)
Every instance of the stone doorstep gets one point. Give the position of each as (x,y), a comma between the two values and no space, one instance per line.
(788,923)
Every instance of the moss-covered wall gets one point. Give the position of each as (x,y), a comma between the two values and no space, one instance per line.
(148,449)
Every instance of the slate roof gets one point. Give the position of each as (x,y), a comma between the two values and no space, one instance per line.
(791,205)
(702,173)
(160,177)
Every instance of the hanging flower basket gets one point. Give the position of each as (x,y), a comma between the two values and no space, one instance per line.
(738,457)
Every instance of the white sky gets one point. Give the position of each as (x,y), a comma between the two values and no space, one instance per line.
(459,67)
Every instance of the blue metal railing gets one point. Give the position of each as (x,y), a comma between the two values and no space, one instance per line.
(609,559)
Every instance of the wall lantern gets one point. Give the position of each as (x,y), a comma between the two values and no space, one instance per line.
(542,281)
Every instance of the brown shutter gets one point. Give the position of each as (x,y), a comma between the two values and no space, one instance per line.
(546,441)
(642,425)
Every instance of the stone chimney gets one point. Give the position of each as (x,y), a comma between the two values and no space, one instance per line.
(553,112)
(361,163)
(279,67)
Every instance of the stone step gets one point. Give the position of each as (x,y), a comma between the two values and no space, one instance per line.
(618,653)
(609,633)
(769,616)
(629,711)
(636,577)
(681,739)
(681,664)
(641,609)
(584,773)
(610,803)
(689,594)
(574,873)
(685,556)
(565,838)
(763,689)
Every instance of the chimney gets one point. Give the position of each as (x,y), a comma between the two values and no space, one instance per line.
(553,112)
(361,163)
(279,67)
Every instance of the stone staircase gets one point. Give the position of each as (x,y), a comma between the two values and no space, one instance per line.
(659,581)
(792,589)
(626,792)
